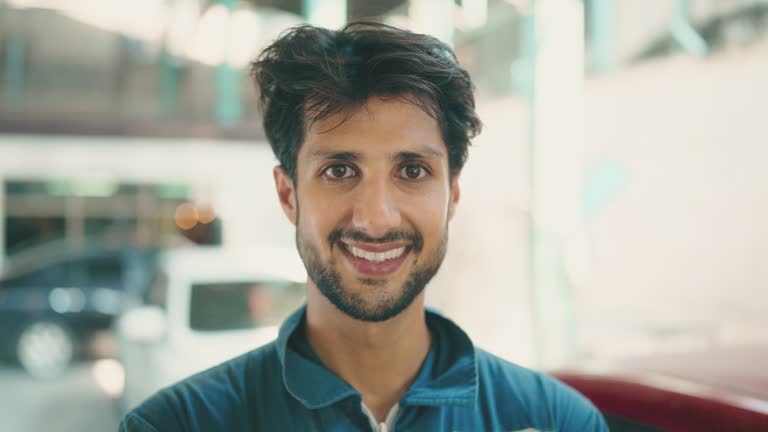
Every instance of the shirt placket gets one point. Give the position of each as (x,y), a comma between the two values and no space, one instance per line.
(388,425)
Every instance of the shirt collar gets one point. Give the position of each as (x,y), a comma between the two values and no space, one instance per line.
(447,377)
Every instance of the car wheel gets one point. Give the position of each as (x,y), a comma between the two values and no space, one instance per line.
(45,349)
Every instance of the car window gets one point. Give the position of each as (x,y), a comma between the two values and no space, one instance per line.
(75,273)
(48,276)
(105,272)
(620,424)
(21,281)
(80,272)
(158,290)
(239,305)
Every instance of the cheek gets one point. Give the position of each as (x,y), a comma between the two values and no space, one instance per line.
(429,212)
(318,214)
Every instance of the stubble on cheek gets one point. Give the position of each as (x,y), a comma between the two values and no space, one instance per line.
(366,299)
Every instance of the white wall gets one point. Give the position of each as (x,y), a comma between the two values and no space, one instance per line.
(683,250)
(677,261)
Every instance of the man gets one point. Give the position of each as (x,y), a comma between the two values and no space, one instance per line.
(371,126)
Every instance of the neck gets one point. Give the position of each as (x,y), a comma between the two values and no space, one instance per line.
(379,359)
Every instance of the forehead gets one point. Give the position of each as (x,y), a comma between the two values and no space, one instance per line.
(378,126)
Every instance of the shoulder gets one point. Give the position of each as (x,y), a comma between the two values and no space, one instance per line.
(548,402)
(209,400)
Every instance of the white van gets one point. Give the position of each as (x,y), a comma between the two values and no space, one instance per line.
(207,305)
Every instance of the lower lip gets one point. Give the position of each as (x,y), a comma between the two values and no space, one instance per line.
(371,268)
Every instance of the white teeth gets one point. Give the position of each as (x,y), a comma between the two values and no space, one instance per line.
(376,256)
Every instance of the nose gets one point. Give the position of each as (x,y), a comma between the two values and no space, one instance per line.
(376,210)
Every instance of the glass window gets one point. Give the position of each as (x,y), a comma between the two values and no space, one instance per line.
(239,305)
(96,227)
(25,188)
(25,232)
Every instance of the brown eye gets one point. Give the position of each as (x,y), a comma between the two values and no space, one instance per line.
(413,172)
(339,171)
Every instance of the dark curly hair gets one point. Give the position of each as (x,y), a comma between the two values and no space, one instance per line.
(310,73)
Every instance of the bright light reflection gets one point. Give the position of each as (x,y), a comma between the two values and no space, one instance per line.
(186,216)
(243,30)
(182,26)
(474,13)
(26,4)
(205,214)
(218,35)
(211,37)
(140,19)
(109,376)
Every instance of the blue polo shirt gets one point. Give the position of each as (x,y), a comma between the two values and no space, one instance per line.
(283,386)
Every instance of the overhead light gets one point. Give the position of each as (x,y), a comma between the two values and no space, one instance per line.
(82,188)
(186,216)
(109,375)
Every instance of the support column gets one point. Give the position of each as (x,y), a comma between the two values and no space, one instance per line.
(433,17)
(683,31)
(557,159)
(2,225)
(602,34)
(169,84)
(330,14)
(13,72)
(74,230)
(229,107)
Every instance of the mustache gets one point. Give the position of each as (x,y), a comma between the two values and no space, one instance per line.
(340,234)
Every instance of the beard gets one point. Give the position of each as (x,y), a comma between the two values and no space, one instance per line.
(377,304)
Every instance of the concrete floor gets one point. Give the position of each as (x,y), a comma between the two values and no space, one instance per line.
(71,403)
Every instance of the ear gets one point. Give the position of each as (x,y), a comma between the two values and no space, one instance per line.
(455,195)
(286,192)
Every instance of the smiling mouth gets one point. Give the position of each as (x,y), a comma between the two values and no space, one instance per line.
(378,263)
(376,256)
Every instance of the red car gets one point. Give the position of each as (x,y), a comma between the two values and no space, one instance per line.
(722,391)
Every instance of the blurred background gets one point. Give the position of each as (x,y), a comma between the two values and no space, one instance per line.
(614,207)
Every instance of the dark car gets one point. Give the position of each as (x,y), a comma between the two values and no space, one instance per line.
(712,391)
(49,313)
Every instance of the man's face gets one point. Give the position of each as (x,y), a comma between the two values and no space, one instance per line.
(371,204)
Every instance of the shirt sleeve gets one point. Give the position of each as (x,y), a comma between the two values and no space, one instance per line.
(570,410)
(134,423)
(591,422)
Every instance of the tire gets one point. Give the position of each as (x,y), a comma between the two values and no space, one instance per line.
(45,349)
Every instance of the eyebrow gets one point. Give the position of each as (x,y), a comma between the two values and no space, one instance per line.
(335,155)
(356,156)
(410,155)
